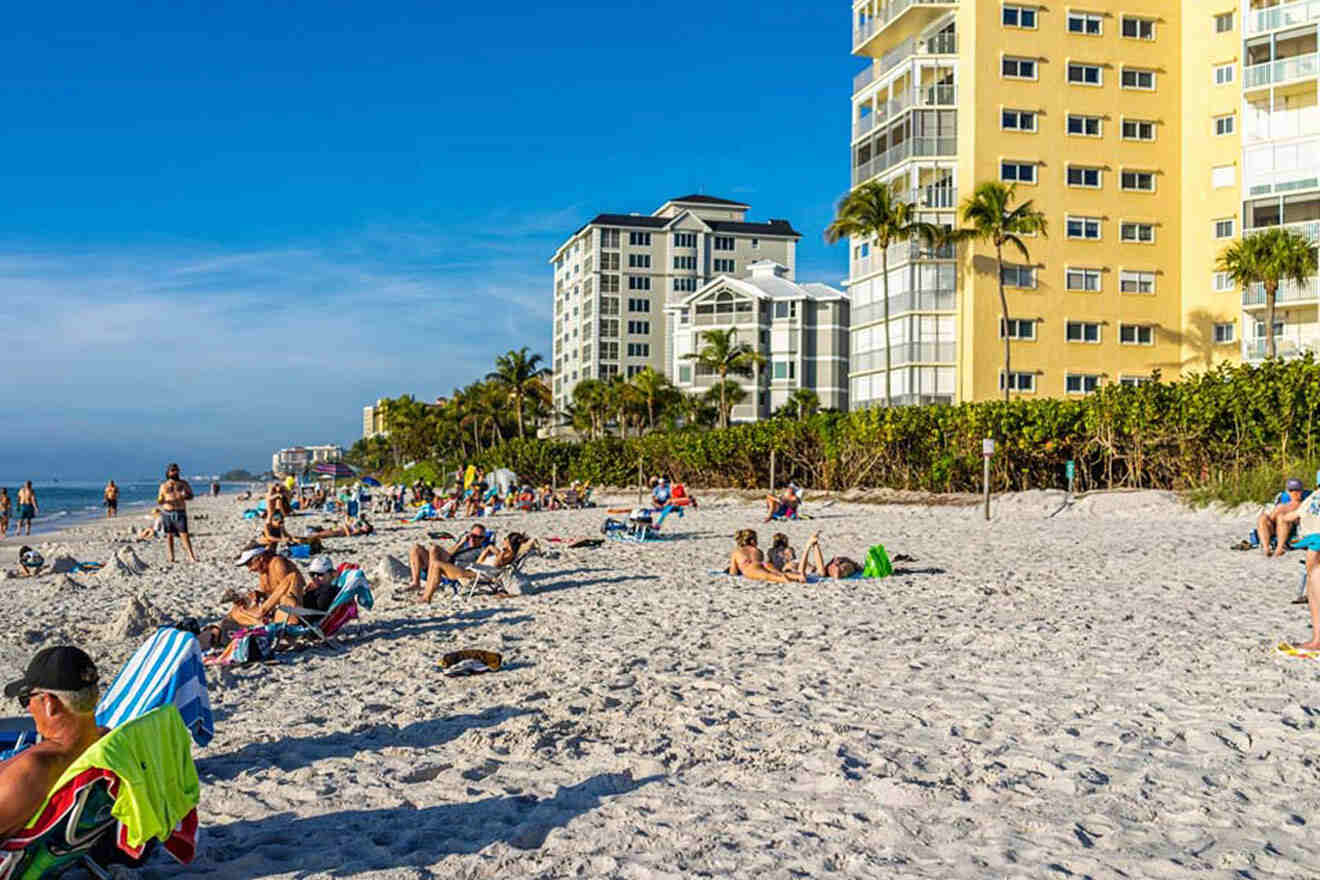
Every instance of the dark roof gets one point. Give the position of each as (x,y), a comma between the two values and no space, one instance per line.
(774,227)
(708,200)
(636,220)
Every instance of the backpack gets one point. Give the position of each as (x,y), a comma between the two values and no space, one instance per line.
(877,563)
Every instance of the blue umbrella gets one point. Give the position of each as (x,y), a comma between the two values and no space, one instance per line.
(370,481)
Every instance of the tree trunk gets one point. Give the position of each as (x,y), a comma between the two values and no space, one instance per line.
(884,270)
(518,400)
(1003,304)
(1271,289)
(724,409)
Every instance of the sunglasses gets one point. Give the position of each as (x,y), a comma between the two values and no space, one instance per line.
(26,694)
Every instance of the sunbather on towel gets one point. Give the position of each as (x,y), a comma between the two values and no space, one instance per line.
(438,562)
(748,560)
(813,562)
(786,505)
(1272,524)
(60,690)
(352,528)
(782,556)
(279,583)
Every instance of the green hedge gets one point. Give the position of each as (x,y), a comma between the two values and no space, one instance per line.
(1205,430)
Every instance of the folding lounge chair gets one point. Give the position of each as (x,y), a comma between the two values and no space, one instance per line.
(167,668)
(137,784)
(16,734)
(354,592)
(491,575)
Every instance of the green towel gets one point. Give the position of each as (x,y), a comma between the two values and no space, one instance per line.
(877,563)
(158,784)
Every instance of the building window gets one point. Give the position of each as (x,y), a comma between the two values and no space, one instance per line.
(1023,172)
(1076,383)
(639,261)
(1133,78)
(1225,228)
(685,239)
(1018,68)
(786,309)
(609,262)
(1134,381)
(1136,334)
(1084,23)
(1018,120)
(609,305)
(609,327)
(724,243)
(1137,181)
(1019,17)
(639,305)
(1084,177)
(639,239)
(1226,124)
(1223,22)
(725,266)
(685,285)
(1087,280)
(1139,232)
(639,328)
(1225,333)
(1019,276)
(609,238)
(1086,126)
(756,244)
(609,284)
(1223,282)
(634,369)
(1082,331)
(685,263)
(1018,381)
(639,282)
(1017,328)
(1224,74)
(1138,28)
(1080,74)
(1132,281)
(608,371)
(1222,176)
(1083,227)
(685,374)
(1138,130)
(784,369)
(639,349)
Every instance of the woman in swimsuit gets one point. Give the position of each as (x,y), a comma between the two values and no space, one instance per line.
(274,533)
(813,562)
(747,560)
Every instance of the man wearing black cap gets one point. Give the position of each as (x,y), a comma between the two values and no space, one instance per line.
(60,690)
(1272,525)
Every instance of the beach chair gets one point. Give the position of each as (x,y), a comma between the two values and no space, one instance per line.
(166,669)
(493,576)
(322,626)
(639,530)
(16,734)
(134,786)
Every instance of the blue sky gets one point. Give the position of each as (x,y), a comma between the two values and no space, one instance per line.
(229,226)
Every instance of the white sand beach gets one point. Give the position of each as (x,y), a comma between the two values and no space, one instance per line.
(1092,694)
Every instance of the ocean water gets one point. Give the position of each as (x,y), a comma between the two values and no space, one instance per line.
(64,504)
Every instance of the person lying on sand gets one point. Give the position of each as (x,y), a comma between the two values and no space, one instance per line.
(434,562)
(786,505)
(813,562)
(1273,521)
(60,690)
(279,582)
(155,530)
(748,561)
(352,528)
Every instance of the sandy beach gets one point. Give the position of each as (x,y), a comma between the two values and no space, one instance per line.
(1089,694)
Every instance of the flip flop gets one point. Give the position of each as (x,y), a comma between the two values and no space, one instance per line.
(470,661)
(1290,651)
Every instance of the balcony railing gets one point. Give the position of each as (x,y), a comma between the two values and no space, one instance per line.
(905,353)
(898,254)
(864,79)
(940,44)
(931,196)
(1258,21)
(1286,347)
(903,303)
(886,15)
(912,148)
(1281,71)
(1288,293)
(926,96)
(1311,229)
(1286,180)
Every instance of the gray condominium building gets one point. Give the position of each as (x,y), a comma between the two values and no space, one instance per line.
(614,277)
(801,330)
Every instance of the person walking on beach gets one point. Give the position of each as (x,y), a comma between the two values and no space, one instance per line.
(111,499)
(173,497)
(27,508)
(6,504)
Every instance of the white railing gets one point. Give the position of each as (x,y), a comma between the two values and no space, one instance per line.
(904,353)
(1281,71)
(1288,293)
(903,303)
(1262,183)
(885,16)
(1284,346)
(863,125)
(1258,21)
(883,111)
(1309,228)
(864,79)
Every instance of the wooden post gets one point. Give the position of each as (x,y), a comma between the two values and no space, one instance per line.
(641,481)
(987,450)
(772,472)
(554,477)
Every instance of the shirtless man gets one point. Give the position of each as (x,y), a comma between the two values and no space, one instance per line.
(27,508)
(438,562)
(6,506)
(279,582)
(1271,523)
(748,560)
(60,690)
(785,506)
(173,497)
(111,499)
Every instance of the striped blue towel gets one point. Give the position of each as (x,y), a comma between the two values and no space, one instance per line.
(167,669)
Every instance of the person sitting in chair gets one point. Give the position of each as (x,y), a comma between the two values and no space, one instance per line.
(1274,523)
(321,588)
(279,582)
(60,691)
(273,533)
(785,506)
(435,562)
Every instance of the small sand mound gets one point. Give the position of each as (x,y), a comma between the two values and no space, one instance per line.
(66,584)
(134,618)
(63,564)
(391,569)
(129,562)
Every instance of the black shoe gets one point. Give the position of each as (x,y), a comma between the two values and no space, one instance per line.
(1300,600)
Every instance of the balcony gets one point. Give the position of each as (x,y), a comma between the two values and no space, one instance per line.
(904,303)
(1311,229)
(872,18)
(905,354)
(900,253)
(1286,70)
(1259,21)
(921,147)
(1287,295)
(1287,180)
(864,79)
(1286,347)
(939,44)
(944,96)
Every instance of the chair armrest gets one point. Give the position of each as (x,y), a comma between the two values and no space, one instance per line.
(296,611)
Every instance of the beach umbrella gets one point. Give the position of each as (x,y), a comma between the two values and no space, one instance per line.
(334,469)
(370,481)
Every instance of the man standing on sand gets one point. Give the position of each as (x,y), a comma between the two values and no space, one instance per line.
(27,508)
(111,499)
(60,690)
(173,497)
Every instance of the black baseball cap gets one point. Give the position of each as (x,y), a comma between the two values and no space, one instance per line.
(63,668)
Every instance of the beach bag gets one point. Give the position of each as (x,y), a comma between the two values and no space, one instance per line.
(877,563)
(300,551)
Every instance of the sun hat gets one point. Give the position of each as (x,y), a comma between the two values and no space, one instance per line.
(250,554)
(321,565)
(1293,485)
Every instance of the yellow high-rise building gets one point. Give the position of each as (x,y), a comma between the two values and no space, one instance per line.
(1124,124)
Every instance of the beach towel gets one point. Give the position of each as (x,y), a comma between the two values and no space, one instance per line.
(877,563)
(166,669)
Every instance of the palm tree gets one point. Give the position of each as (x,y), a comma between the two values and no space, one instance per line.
(872,212)
(1269,258)
(723,354)
(656,389)
(516,372)
(725,394)
(589,400)
(992,217)
(802,403)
